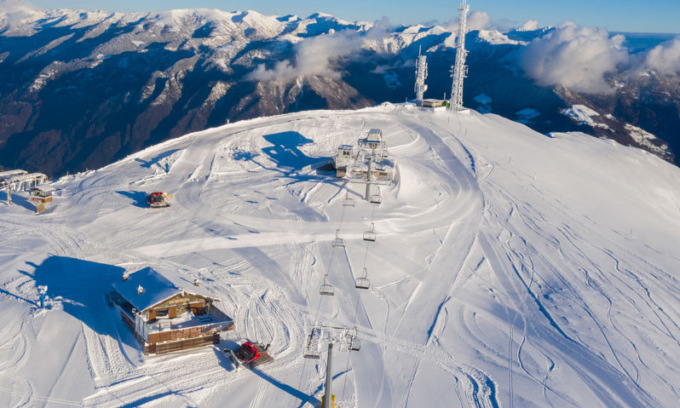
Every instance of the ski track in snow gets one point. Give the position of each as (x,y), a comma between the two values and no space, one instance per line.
(511,297)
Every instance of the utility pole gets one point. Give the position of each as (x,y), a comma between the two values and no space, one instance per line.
(368,179)
(328,395)
(42,291)
(9,194)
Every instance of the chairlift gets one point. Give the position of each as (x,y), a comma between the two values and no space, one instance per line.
(376,198)
(349,201)
(355,345)
(363,282)
(326,288)
(370,234)
(338,242)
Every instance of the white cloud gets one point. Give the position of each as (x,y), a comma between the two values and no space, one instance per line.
(478,20)
(10,6)
(530,25)
(664,58)
(14,13)
(575,57)
(16,9)
(315,56)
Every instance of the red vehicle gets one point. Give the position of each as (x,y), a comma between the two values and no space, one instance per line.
(249,354)
(157,199)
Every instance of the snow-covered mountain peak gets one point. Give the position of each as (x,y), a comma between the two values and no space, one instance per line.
(495,37)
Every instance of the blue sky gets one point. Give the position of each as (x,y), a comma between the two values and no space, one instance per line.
(658,16)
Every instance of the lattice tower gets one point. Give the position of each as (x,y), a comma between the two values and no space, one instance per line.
(459,70)
(421,75)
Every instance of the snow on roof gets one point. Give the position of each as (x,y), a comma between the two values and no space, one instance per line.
(44,188)
(155,288)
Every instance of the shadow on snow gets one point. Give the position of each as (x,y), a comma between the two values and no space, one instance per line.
(81,287)
(138,197)
(156,160)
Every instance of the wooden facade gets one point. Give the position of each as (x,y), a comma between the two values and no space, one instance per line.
(169,347)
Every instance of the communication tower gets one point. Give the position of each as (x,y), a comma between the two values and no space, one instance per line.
(421,75)
(459,70)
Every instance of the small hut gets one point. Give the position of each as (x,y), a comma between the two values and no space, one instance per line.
(343,159)
(41,196)
(434,103)
(165,316)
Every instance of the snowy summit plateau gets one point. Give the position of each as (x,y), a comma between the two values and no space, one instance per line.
(506,268)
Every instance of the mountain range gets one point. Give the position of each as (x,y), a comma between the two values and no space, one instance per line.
(80,90)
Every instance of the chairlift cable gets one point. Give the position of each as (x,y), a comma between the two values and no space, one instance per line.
(368,242)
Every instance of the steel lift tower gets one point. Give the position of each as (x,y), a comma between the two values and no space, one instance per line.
(460,70)
(421,75)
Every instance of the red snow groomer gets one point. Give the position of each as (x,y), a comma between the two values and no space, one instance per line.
(249,354)
(158,199)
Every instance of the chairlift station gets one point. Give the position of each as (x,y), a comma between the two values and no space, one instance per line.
(368,163)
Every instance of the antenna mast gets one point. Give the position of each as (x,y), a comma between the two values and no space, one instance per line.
(459,71)
(421,75)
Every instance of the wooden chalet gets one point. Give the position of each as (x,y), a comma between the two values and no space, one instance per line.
(167,317)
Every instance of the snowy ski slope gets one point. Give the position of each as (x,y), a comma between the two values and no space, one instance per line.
(511,269)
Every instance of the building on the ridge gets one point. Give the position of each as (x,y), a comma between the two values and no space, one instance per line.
(167,317)
(434,103)
(41,197)
(343,159)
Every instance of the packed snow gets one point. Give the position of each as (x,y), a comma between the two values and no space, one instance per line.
(509,269)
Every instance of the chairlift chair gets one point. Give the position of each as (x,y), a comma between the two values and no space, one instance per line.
(349,201)
(338,242)
(355,345)
(363,282)
(376,198)
(312,354)
(326,288)
(370,234)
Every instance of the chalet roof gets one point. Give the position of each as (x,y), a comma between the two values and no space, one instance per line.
(44,188)
(155,288)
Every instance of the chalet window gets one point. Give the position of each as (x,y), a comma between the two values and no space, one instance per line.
(197,308)
(167,312)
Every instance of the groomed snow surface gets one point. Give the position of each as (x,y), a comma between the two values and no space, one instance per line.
(510,269)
